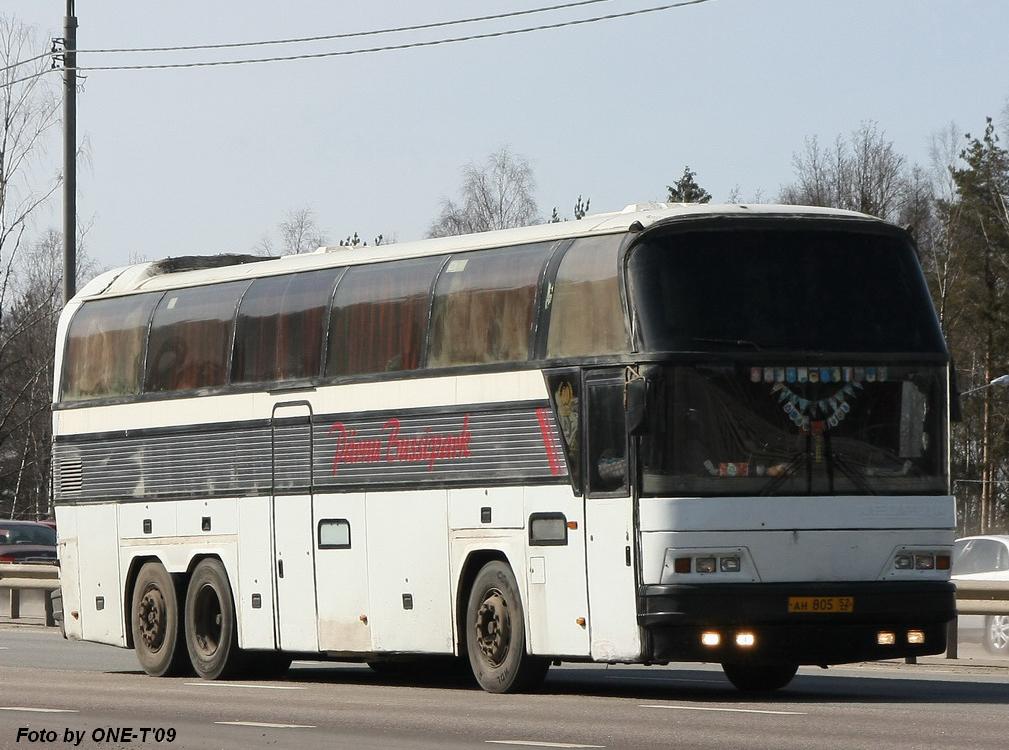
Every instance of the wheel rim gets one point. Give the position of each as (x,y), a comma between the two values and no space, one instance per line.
(209,621)
(1000,632)
(493,628)
(152,615)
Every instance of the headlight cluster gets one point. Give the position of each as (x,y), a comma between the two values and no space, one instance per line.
(913,560)
(707,564)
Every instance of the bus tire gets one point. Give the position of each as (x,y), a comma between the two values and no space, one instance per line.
(760,678)
(211,628)
(156,623)
(495,634)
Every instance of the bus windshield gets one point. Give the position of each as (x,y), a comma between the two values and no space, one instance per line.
(765,288)
(739,429)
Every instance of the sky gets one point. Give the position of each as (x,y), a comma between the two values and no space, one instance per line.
(208,160)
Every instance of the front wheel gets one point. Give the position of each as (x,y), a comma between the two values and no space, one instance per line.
(155,623)
(760,678)
(211,630)
(996,635)
(495,634)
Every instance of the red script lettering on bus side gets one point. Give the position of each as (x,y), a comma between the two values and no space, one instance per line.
(427,447)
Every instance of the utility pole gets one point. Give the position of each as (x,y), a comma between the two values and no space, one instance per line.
(69,153)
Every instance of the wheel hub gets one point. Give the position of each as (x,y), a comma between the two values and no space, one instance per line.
(1000,632)
(152,617)
(208,624)
(493,628)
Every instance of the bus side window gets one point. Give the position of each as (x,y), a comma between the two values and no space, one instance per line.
(105,347)
(380,316)
(607,438)
(586,313)
(484,306)
(280,326)
(190,340)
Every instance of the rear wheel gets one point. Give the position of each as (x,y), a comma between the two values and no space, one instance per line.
(211,630)
(495,634)
(155,623)
(996,634)
(759,678)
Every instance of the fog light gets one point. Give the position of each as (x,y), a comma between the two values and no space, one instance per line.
(704,565)
(924,562)
(729,564)
(903,562)
(710,638)
(682,565)
(885,638)
(916,637)
(746,640)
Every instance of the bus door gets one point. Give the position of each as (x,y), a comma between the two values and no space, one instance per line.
(293,533)
(341,586)
(611,553)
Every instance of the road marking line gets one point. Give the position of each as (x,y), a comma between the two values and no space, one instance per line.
(533,743)
(265,725)
(731,710)
(40,710)
(239,685)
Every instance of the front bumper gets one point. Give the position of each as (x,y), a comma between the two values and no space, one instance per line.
(675,616)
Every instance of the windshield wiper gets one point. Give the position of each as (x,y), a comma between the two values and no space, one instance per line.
(850,472)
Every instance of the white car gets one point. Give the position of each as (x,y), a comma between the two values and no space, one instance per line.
(985,558)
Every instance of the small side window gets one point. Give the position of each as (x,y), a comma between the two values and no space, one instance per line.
(607,439)
(548,529)
(334,533)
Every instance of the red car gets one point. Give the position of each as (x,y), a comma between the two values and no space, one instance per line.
(27,542)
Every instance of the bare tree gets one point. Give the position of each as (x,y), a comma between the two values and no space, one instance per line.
(862,173)
(300,233)
(495,195)
(28,116)
(28,112)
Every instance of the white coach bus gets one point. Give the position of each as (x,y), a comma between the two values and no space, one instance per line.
(690,433)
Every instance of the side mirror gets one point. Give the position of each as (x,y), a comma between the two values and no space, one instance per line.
(637,390)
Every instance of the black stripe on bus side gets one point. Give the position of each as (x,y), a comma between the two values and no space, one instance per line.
(428,447)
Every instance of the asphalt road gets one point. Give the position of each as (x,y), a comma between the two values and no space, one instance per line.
(47,684)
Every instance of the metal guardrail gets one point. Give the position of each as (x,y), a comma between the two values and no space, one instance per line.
(982,597)
(976,598)
(18,578)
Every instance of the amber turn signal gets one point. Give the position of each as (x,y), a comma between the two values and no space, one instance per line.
(682,565)
(942,562)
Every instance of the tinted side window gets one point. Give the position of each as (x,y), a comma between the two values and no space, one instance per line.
(586,315)
(280,327)
(191,337)
(607,437)
(105,347)
(484,306)
(379,317)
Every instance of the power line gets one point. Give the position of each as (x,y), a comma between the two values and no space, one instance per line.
(409,45)
(19,63)
(9,84)
(349,35)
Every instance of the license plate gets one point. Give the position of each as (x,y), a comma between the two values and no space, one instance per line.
(821,604)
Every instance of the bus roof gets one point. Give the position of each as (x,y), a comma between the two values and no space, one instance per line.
(159,275)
